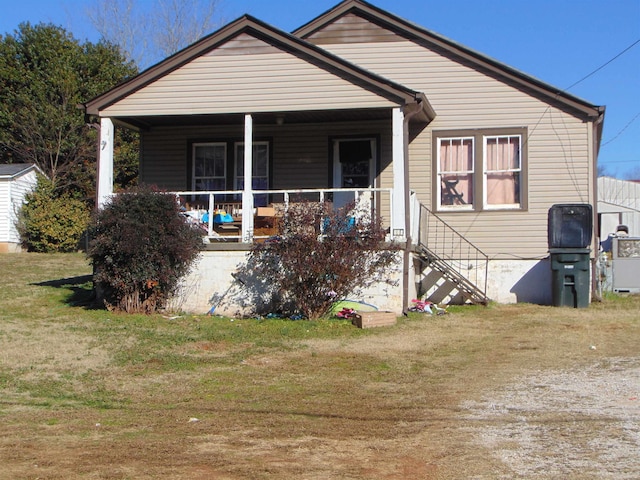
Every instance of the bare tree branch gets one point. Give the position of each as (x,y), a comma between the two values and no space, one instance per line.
(147,33)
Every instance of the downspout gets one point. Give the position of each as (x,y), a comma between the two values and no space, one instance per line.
(596,132)
(406,260)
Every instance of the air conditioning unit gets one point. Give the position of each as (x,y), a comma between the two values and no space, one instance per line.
(625,265)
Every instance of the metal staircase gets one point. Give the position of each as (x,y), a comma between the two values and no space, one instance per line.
(458,269)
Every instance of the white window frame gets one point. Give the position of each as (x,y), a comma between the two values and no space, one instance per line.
(194,177)
(237,158)
(485,201)
(338,166)
(440,173)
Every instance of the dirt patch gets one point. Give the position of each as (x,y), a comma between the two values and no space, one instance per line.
(49,349)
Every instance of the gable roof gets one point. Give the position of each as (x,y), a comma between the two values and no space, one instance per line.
(12,170)
(392,91)
(429,39)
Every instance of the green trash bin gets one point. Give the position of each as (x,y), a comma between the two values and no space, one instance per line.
(570,270)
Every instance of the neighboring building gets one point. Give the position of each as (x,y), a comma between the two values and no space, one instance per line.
(618,204)
(462,155)
(16,180)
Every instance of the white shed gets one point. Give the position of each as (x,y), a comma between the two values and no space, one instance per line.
(16,180)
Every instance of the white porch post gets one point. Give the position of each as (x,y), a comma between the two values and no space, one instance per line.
(247,193)
(399,185)
(105,163)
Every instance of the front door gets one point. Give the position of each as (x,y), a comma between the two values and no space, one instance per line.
(353,166)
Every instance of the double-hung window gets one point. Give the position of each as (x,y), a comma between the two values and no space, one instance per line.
(209,166)
(502,171)
(219,165)
(456,159)
(479,170)
(260,174)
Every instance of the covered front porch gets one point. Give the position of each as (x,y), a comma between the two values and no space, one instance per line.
(326,158)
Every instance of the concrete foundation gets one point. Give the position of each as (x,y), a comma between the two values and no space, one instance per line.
(215,285)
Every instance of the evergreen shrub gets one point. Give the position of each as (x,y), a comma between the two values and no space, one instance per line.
(50,222)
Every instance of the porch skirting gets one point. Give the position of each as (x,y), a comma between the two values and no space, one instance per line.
(214,285)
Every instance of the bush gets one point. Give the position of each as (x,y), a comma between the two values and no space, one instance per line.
(305,270)
(141,247)
(52,223)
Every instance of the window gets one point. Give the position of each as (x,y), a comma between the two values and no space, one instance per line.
(219,165)
(260,174)
(502,171)
(479,170)
(455,172)
(209,166)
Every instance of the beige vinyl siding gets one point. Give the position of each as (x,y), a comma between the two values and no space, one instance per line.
(245,82)
(558,144)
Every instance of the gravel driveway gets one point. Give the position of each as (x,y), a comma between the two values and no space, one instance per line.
(565,424)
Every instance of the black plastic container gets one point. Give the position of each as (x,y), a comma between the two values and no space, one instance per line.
(570,225)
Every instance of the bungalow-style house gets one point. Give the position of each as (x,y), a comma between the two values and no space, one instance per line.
(461,155)
(16,180)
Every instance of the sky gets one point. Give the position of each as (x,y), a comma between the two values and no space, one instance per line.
(557,41)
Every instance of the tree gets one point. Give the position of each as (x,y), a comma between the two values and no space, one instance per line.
(148,32)
(322,255)
(45,74)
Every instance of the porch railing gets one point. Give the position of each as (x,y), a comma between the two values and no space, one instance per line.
(201,206)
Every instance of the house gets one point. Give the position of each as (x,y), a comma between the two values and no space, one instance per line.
(16,180)
(460,154)
(618,204)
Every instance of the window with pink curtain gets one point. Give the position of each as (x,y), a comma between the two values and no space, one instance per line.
(502,170)
(455,171)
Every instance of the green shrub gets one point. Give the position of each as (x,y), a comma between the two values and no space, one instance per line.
(52,223)
(323,254)
(141,247)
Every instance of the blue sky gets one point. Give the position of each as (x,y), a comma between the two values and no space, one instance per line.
(557,41)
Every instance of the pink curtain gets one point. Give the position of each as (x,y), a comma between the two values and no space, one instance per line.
(503,170)
(456,167)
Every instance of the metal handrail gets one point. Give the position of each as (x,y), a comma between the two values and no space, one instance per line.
(445,243)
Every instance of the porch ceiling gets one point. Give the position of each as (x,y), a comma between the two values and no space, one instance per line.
(315,116)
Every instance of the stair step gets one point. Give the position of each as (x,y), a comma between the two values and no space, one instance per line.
(465,287)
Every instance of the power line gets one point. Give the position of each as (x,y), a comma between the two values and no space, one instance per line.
(621,161)
(603,65)
(581,80)
(623,129)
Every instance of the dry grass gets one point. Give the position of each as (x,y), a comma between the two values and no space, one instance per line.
(497,392)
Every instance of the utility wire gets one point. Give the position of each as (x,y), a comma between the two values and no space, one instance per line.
(620,132)
(560,92)
(603,65)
